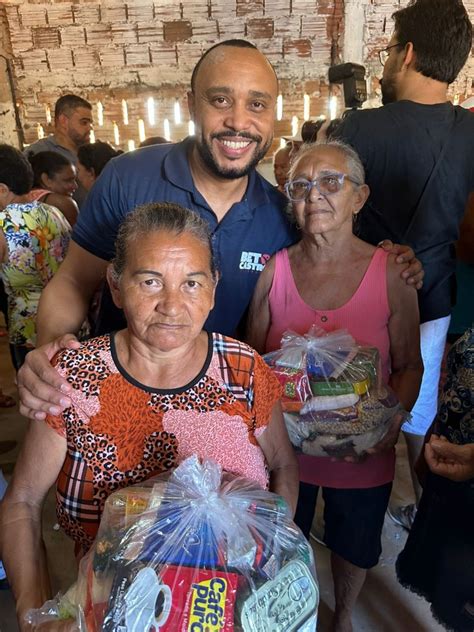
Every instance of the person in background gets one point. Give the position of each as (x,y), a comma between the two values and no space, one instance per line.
(154,140)
(463,311)
(147,397)
(310,130)
(72,128)
(281,165)
(334,280)
(417,153)
(232,102)
(33,242)
(54,183)
(91,159)
(438,559)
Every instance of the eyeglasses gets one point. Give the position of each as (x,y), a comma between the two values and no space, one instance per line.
(327,184)
(385,52)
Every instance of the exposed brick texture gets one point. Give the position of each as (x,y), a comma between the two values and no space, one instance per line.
(259,28)
(133,49)
(177,31)
(46,37)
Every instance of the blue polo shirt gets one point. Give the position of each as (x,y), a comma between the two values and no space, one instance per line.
(250,232)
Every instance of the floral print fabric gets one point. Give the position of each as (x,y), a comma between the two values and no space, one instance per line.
(120,432)
(37,236)
(455,418)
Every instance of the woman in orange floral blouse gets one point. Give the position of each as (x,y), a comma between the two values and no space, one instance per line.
(146,397)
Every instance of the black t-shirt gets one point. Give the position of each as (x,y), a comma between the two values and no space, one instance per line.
(399,145)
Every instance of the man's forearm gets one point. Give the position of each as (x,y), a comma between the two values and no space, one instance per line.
(62,310)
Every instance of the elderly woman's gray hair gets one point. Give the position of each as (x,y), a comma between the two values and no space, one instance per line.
(355,168)
(160,217)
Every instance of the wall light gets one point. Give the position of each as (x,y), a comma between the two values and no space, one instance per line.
(92,136)
(177,113)
(150,105)
(47,111)
(191,129)
(131,145)
(116,134)
(294,125)
(167,129)
(40,131)
(333,107)
(100,113)
(124,112)
(141,130)
(306,108)
(279,107)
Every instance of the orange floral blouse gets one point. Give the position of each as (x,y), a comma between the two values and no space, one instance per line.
(120,432)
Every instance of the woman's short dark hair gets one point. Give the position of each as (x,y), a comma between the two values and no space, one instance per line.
(310,129)
(156,217)
(96,155)
(441,34)
(15,170)
(48,162)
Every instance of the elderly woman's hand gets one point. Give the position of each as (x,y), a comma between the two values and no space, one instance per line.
(413,273)
(390,438)
(450,460)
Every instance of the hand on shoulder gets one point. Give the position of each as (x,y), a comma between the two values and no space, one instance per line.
(42,390)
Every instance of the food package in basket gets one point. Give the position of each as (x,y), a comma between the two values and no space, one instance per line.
(334,401)
(196,549)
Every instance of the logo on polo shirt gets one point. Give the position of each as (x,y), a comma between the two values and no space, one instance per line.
(253,261)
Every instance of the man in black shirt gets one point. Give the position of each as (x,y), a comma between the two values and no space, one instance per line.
(417,152)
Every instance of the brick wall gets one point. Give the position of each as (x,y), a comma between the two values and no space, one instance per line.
(8,133)
(114,51)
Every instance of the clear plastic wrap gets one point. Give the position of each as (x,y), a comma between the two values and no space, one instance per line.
(195,549)
(334,401)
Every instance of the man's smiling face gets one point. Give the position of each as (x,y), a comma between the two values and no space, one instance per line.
(233,108)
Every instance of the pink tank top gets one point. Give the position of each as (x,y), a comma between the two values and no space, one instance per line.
(365,316)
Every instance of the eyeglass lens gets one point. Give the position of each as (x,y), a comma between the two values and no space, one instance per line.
(326,185)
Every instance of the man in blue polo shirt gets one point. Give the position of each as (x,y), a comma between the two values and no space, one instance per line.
(241,239)
(232,103)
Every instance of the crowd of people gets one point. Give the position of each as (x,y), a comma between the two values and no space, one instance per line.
(206,265)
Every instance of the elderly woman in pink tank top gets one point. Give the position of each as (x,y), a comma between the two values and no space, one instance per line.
(335,280)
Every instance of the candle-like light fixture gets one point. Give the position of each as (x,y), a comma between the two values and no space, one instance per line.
(151,110)
(47,111)
(279,107)
(131,145)
(40,131)
(306,104)
(141,130)
(92,136)
(116,134)
(191,129)
(177,113)
(124,112)
(167,129)
(100,113)
(332,107)
(294,125)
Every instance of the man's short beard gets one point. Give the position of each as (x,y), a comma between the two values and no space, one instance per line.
(230,173)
